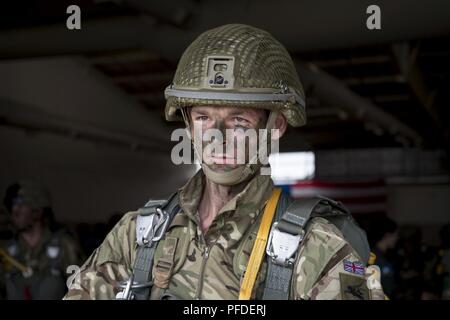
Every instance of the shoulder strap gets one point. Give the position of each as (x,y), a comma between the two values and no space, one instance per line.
(288,231)
(257,254)
(278,275)
(53,251)
(336,213)
(151,225)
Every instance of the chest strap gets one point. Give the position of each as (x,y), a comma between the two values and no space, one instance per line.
(10,262)
(258,250)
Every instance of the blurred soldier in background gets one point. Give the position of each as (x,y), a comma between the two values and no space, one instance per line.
(444,269)
(437,272)
(383,238)
(411,264)
(34,262)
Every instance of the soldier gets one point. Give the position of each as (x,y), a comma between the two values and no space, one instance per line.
(383,238)
(437,269)
(228,233)
(444,266)
(35,260)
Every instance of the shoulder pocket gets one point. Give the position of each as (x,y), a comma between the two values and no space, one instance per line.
(119,245)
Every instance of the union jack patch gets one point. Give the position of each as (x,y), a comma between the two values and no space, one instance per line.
(354,267)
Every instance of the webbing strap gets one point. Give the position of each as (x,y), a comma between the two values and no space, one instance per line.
(142,270)
(164,268)
(297,215)
(13,262)
(292,221)
(259,248)
(278,282)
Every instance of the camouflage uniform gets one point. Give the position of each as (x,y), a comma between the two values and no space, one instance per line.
(48,262)
(238,66)
(207,266)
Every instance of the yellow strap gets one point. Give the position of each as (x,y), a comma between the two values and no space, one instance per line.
(259,248)
(13,261)
(372,259)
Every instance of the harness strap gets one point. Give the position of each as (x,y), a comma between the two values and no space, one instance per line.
(258,250)
(277,277)
(54,255)
(151,226)
(164,267)
(13,262)
(286,235)
(142,271)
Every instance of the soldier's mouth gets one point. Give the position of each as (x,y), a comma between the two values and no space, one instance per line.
(223,159)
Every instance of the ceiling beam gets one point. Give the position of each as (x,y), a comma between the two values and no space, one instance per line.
(31,119)
(305,26)
(335,93)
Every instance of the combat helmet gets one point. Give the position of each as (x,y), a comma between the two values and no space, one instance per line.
(241,66)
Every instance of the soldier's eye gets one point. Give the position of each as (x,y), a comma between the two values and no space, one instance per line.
(201,118)
(241,120)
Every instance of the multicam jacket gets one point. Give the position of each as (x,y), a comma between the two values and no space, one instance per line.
(48,263)
(211,265)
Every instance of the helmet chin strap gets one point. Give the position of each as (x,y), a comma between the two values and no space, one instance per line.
(242,172)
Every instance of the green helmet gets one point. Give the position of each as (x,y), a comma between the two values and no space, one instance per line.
(27,192)
(237,65)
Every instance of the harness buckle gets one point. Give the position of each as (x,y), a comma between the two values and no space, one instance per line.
(155,229)
(129,286)
(126,293)
(282,246)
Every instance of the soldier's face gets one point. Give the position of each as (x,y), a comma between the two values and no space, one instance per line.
(235,124)
(391,239)
(22,216)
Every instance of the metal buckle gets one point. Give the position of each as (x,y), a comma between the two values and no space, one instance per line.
(158,228)
(282,246)
(126,293)
(128,287)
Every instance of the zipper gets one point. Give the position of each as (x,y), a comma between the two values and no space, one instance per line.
(202,270)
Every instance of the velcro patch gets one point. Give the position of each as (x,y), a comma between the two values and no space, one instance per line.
(355,267)
(353,287)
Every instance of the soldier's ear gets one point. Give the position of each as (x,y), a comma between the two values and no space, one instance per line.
(280,127)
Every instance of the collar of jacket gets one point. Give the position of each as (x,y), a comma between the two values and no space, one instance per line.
(243,208)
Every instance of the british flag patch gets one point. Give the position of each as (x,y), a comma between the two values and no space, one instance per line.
(354,267)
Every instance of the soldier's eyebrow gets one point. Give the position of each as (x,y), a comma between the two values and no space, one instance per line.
(199,111)
(251,117)
(239,112)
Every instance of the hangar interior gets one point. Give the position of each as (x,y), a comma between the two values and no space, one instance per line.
(82,111)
